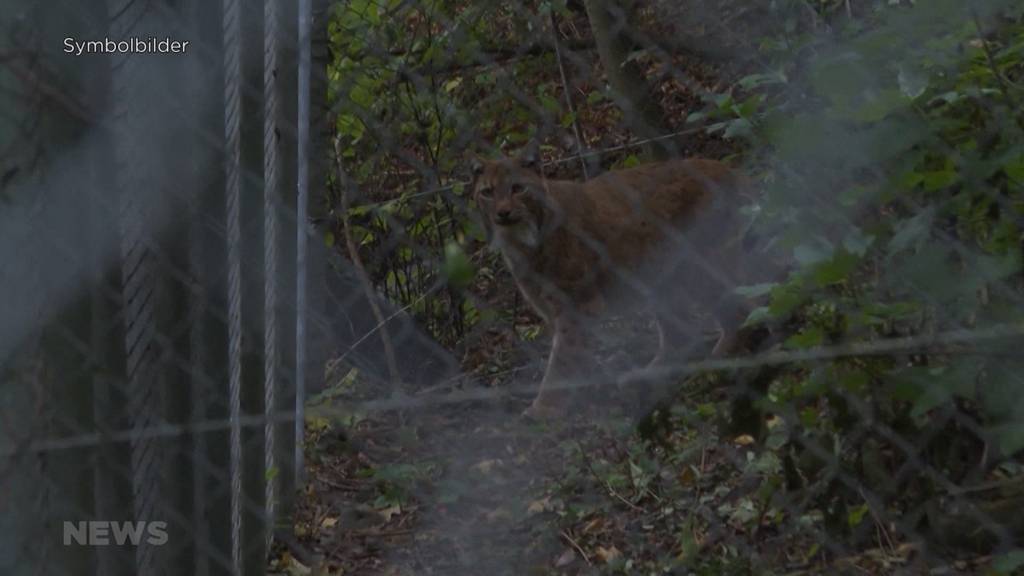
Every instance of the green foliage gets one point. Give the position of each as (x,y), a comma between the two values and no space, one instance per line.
(408,82)
(889,142)
(892,162)
(457,268)
(1009,563)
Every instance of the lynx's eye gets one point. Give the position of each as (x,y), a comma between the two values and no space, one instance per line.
(486,191)
(518,189)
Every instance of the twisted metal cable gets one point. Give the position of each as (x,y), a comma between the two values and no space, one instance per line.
(233,159)
(271,196)
(198,357)
(305,57)
(40,468)
(139,279)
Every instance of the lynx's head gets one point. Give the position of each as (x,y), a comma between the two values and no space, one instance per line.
(511,197)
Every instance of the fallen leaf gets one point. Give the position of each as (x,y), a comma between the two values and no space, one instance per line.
(744,440)
(607,554)
(390,511)
(296,568)
(538,506)
(593,525)
(566,558)
(485,466)
(283,560)
(498,514)
(687,477)
(329,522)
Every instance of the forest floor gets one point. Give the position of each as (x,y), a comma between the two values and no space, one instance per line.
(471,488)
(461,488)
(474,489)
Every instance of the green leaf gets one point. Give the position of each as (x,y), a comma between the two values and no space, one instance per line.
(879,312)
(1010,561)
(695,117)
(855,381)
(630,161)
(550,103)
(930,387)
(272,473)
(842,78)
(913,232)
(757,316)
(912,80)
(856,515)
(748,107)
(835,269)
(738,128)
(755,290)
(755,80)
(881,106)
(809,417)
(596,97)
(785,299)
(1015,169)
(457,268)
(854,195)
(910,179)
(1010,436)
(810,254)
(809,338)
(856,242)
(938,180)
(951,97)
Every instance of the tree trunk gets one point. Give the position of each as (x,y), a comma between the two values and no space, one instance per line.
(609,23)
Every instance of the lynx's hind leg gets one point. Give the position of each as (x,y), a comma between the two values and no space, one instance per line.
(677,330)
(676,318)
(730,312)
(675,336)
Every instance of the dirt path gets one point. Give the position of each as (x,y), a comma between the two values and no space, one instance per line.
(459,490)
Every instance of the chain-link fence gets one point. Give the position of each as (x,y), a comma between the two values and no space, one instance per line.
(282,279)
(150,342)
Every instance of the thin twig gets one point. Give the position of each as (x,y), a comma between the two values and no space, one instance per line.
(568,98)
(364,277)
(381,325)
(565,534)
(342,487)
(375,533)
(878,523)
(608,487)
(990,58)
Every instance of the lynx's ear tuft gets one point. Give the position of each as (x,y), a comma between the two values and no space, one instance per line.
(529,157)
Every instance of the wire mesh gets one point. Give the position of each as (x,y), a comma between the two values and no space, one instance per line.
(277,301)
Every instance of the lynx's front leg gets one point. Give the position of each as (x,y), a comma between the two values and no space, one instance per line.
(729,315)
(565,367)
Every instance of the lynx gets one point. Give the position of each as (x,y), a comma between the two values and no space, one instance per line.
(663,236)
